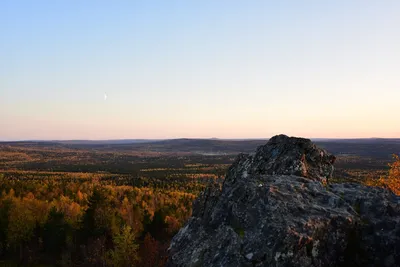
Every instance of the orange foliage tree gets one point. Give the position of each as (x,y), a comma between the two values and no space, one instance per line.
(392,180)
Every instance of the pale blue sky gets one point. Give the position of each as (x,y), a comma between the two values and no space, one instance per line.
(228,69)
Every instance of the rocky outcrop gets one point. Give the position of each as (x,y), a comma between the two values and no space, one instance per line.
(284,155)
(272,210)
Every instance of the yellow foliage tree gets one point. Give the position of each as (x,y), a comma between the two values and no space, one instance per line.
(392,180)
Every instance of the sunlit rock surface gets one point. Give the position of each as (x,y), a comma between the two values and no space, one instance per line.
(272,210)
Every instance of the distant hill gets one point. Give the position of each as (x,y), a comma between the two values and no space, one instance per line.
(199,146)
(106,142)
(371,147)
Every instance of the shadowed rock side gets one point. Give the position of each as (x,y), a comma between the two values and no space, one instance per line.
(273,211)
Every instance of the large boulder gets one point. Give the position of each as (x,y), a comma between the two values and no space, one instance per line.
(272,210)
(284,155)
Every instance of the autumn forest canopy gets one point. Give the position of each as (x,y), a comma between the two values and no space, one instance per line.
(120,205)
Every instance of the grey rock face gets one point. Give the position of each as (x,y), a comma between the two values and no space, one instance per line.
(292,156)
(273,211)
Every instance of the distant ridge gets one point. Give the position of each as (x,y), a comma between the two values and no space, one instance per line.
(108,142)
(190,141)
(378,147)
(142,140)
(88,142)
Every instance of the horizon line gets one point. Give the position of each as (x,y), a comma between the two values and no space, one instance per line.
(189,138)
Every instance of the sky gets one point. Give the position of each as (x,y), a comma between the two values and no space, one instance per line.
(199,69)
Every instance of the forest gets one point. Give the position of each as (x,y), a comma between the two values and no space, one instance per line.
(113,205)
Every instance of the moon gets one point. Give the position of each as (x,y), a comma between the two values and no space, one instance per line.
(105,96)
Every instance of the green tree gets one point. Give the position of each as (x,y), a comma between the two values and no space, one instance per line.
(55,233)
(125,249)
(5,208)
(90,224)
